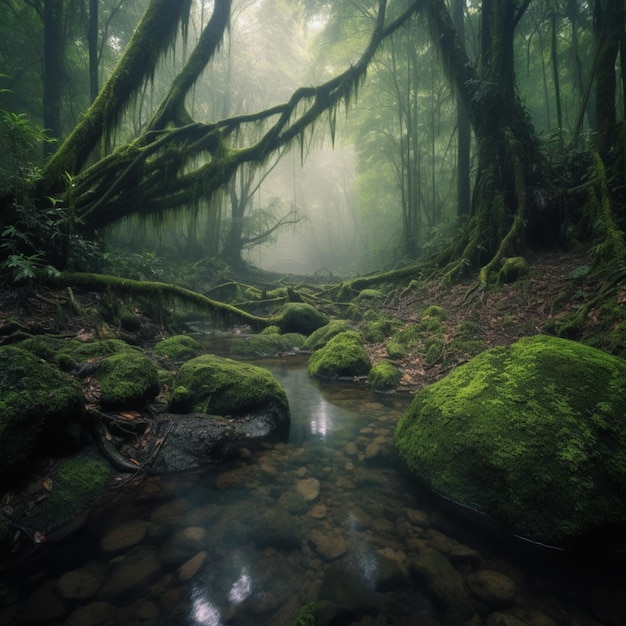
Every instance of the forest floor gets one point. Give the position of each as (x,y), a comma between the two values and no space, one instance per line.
(555,289)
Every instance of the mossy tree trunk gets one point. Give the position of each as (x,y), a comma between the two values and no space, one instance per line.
(508,185)
(178,162)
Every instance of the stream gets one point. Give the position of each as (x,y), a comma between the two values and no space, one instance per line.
(325,515)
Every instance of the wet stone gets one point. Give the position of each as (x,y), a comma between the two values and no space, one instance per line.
(318,511)
(190,568)
(503,619)
(183,545)
(44,605)
(418,518)
(81,584)
(494,588)
(329,547)
(372,451)
(124,536)
(92,614)
(308,488)
(352,449)
(132,573)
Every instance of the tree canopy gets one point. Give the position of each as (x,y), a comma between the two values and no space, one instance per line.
(112,165)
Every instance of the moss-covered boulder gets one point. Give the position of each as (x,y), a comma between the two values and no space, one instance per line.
(342,357)
(384,376)
(532,435)
(37,405)
(269,342)
(178,348)
(128,380)
(217,385)
(298,317)
(319,338)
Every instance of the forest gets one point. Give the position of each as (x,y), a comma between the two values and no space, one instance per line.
(312,312)
(364,136)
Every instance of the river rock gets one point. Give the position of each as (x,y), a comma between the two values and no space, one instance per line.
(308,488)
(504,619)
(131,573)
(329,546)
(494,588)
(392,569)
(183,544)
(531,435)
(443,583)
(93,614)
(190,568)
(45,605)
(81,584)
(124,536)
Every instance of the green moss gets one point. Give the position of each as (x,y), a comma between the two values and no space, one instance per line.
(323,335)
(178,347)
(513,269)
(533,435)
(37,402)
(266,344)
(297,317)
(434,311)
(370,294)
(216,385)
(127,380)
(342,356)
(395,350)
(79,482)
(377,330)
(384,376)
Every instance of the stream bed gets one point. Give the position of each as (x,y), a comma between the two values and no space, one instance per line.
(326,514)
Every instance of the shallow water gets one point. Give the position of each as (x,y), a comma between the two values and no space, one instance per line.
(326,514)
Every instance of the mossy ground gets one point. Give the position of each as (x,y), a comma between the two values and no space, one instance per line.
(178,347)
(533,435)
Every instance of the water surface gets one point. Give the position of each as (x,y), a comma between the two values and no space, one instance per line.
(325,514)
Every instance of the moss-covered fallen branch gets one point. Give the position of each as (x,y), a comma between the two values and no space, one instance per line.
(155,289)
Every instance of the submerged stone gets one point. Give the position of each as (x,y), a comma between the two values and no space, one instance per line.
(532,435)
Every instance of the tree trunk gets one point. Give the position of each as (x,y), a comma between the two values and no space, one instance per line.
(463,128)
(92,40)
(53,70)
(508,186)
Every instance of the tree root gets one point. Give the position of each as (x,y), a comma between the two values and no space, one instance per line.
(225,312)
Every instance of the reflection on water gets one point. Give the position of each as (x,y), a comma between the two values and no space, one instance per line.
(326,515)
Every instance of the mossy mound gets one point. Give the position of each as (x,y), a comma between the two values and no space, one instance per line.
(37,404)
(269,342)
(384,376)
(533,436)
(343,356)
(128,380)
(217,385)
(298,317)
(178,348)
(319,338)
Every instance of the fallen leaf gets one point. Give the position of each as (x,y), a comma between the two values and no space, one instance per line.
(46,483)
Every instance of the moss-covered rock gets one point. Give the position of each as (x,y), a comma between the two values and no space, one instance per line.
(221,386)
(342,356)
(128,380)
(178,348)
(269,342)
(533,435)
(384,376)
(376,331)
(37,404)
(319,338)
(298,317)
